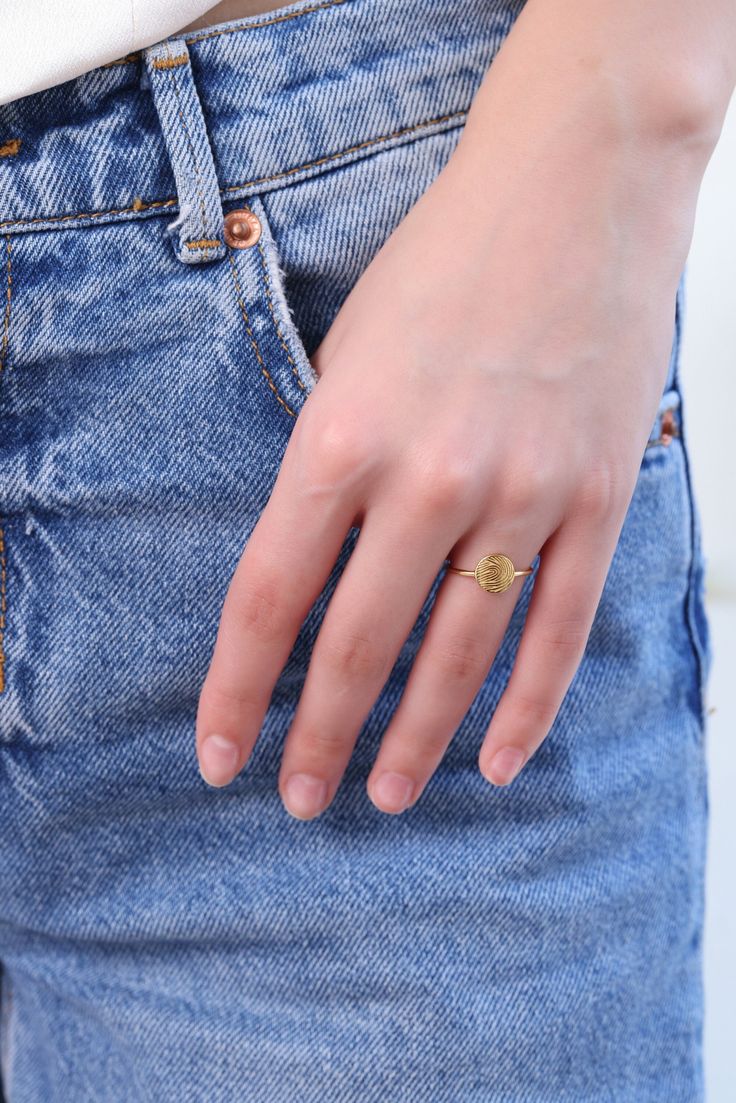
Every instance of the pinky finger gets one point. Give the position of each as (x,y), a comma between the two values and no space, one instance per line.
(574,565)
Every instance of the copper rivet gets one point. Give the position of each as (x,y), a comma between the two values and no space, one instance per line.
(668,430)
(242,228)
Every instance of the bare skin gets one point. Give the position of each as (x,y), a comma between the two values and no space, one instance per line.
(504,404)
(234,9)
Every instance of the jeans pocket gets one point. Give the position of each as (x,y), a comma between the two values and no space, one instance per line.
(272,345)
(318,237)
(285,359)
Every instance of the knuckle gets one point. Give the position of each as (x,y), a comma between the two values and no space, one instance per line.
(565,638)
(599,492)
(532,713)
(258,609)
(334,446)
(433,746)
(334,454)
(351,656)
(461,660)
(322,744)
(442,483)
(220,696)
(522,489)
(426,746)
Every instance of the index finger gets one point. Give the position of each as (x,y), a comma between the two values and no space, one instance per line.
(285,565)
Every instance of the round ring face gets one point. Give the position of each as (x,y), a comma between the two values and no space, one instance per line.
(494,573)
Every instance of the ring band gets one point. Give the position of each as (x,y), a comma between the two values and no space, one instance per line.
(493,573)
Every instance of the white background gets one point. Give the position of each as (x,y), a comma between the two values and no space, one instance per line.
(709,395)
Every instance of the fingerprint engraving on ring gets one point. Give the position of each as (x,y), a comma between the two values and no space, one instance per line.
(495,573)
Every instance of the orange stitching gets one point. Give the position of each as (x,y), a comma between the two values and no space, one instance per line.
(11,147)
(127,60)
(3,361)
(267,282)
(204,243)
(264,22)
(169,62)
(254,343)
(139,205)
(344,152)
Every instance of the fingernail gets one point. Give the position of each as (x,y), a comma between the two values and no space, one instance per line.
(305,796)
(218,760)
(393,792)
(505,765)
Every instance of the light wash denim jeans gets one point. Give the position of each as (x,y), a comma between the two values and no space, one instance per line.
(165,941)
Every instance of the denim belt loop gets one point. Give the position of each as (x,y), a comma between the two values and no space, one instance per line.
(197,233)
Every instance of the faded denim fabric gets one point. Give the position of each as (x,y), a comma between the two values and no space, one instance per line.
(163,940)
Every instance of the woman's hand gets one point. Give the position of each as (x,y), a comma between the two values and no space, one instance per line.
(489,385)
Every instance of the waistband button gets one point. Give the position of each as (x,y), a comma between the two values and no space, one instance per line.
(242,228)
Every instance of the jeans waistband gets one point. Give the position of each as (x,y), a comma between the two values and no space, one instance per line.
(284,96)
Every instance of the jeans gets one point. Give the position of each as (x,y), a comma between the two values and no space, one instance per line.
(163,940)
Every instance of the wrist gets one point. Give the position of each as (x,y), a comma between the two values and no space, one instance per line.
(685,108)
(624,79)
(639,150)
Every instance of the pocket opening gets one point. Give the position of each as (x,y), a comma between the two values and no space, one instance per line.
(299,371)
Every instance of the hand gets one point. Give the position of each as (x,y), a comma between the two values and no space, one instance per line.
(488,385)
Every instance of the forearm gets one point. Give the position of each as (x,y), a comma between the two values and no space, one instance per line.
(651,64)
(616,97)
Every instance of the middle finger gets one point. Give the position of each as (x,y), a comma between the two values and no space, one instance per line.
(372,611)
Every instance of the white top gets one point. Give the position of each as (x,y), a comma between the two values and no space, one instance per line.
(45,42)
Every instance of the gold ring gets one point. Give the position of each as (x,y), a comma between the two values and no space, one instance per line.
(494,572)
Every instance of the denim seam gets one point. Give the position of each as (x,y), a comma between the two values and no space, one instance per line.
(267,288)
(139,205)
(252,336)
(3,362)
(350,149)
(693,536)
(690,597)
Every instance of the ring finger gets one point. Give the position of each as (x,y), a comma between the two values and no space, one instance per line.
(464,633)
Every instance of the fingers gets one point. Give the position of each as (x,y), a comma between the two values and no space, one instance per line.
(465,629)
(284,567)
(320,490)
(574,565)
(377,601)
